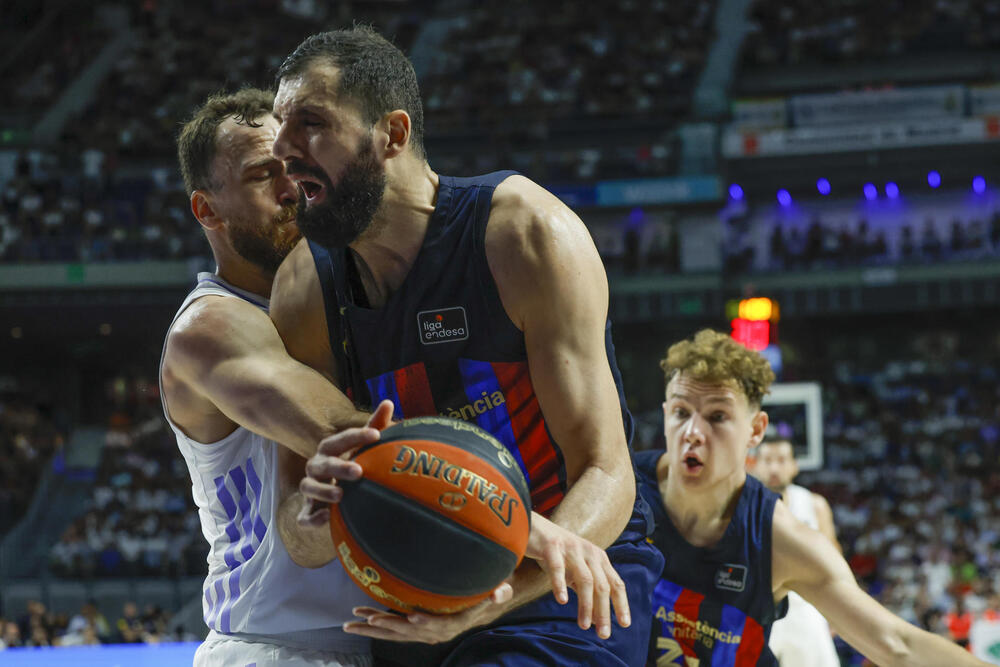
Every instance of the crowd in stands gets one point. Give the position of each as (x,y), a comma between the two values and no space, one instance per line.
(51,54)
(912,472)
(40,627)
(824,244)
(508,62)
(791,32)
(73,208)
(141,520)
(110,190)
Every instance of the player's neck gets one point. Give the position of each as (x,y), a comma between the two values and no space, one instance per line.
(701,515)
(246,276)
(389,247)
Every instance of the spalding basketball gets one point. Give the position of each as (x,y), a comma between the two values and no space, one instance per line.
(439,519)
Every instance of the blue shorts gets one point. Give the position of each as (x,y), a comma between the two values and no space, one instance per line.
(544,632)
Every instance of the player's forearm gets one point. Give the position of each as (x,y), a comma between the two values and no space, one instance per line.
(310,547)
(298,413)
(598,506)
(913,647)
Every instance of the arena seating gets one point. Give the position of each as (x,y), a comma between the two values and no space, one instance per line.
(29,439)
(791,32)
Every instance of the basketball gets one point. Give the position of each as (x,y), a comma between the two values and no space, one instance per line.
(439,519)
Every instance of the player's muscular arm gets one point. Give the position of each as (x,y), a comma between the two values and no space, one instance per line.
(228,354)
(805,561)
(554,288)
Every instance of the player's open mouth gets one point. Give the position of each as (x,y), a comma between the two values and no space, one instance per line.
(313,190)
(692,463)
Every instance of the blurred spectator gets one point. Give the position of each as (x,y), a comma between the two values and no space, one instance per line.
(130,626)
(959,621)
(11,637)
(88,627)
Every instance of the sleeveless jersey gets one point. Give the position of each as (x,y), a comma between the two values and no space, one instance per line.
(443,344)
(713,605)
(253,587)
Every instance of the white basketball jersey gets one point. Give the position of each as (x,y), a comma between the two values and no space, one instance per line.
(802,637)
(253,586)
(800,502)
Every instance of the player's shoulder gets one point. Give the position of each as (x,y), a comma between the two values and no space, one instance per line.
(296,289)
(523,211)
(207,324)
(298,267)
(528,222)
(205,318)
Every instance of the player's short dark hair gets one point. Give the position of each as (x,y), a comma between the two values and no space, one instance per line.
(196,145)
(373,72)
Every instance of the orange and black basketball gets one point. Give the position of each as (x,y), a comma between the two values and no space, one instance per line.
(439,519)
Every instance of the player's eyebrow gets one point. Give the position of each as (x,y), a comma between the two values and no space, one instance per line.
(709,399)
(259,164)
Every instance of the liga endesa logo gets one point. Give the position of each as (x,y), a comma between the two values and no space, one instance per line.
(443,325)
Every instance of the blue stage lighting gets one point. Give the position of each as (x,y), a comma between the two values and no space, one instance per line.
(979,185)
(823,186)
(891,190)
(933,179)
(871,192)
(735,192)
(784,198)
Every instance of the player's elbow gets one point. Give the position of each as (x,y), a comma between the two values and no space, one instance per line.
(895,649)
(308,547)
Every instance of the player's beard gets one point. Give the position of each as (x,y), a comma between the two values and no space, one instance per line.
(266,247)
(348,209)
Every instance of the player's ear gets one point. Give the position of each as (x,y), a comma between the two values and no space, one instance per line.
(396,125)
(758,427)
(203,210)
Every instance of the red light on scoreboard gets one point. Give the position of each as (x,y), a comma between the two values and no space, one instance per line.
(754,321)
(756,335)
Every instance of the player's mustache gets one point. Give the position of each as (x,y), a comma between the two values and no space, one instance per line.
(287,214)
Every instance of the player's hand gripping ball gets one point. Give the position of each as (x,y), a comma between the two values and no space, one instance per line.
(440,518)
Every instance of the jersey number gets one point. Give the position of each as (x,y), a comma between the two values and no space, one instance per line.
(673,651)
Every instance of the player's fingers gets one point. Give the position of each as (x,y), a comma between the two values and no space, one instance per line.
(582,581)
(367,612)
(346,440)
(373,632)
(382,417)
(619,596)
(319,491)
(602,599)
(313,517)
(555,565)
(326,468)
(502,593)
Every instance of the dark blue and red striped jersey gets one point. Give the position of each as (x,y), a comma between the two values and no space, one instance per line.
(443,344)
(713,606)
